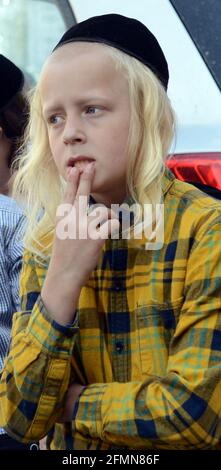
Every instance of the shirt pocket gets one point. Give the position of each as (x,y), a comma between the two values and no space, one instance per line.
(156,324)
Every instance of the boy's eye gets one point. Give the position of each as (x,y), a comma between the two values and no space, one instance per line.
(92,109)
(54,119)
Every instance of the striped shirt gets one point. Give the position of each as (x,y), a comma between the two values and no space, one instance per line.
(146,342)
(11,224)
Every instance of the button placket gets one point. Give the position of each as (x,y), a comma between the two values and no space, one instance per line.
(118,303)
(119,345)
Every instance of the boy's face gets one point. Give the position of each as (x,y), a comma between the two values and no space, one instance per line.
(86,106)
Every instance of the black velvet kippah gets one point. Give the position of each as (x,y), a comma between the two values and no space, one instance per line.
(11,81)
(127,34)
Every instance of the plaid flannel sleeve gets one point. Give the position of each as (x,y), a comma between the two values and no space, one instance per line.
(36,373)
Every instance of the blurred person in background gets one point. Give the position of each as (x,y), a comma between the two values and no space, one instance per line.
(13,120)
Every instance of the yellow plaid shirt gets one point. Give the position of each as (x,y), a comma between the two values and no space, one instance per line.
(146,343)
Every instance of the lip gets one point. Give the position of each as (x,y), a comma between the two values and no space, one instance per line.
(79,158)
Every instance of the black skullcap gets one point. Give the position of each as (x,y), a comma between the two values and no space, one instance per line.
(127,34)
(11,81)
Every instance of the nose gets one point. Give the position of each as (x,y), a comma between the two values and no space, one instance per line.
(73,131)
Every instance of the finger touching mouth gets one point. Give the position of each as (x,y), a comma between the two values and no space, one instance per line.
(80,162)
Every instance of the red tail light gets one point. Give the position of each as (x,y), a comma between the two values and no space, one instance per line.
(204,168)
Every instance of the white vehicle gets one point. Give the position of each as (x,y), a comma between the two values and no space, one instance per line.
(193,57)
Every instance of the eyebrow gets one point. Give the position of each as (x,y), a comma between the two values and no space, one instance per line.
(79,102)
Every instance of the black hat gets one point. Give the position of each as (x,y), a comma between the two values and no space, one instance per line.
(127,34)
(11,81)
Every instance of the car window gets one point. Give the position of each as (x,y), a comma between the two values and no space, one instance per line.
(203,21)
(29,29)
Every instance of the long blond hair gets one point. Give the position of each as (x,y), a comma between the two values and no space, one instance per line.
(150,135)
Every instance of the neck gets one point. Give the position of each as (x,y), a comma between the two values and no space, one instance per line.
(4,180)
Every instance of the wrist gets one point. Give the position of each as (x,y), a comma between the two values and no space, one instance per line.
(60,300)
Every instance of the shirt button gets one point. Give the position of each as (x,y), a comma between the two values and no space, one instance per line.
(119,346)
(117,286)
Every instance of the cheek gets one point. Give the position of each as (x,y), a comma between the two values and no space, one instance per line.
(118,148)
(121,133)
(51,142)
(117,137)
(55,147)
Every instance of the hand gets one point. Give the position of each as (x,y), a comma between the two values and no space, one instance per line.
(72,397)
(73,259)
(77,257)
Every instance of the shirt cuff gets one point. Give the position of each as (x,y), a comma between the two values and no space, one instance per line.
(87,419)
(56,339)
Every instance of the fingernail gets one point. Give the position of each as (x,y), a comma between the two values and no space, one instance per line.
(71,171)
(89,167)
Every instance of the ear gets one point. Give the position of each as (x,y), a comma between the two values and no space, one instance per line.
(1,133)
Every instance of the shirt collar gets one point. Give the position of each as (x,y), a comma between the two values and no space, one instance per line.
(167,180)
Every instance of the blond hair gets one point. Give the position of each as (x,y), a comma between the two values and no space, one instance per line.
(150,136)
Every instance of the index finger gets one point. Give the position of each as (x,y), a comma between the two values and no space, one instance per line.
(86,179)
(72,185)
